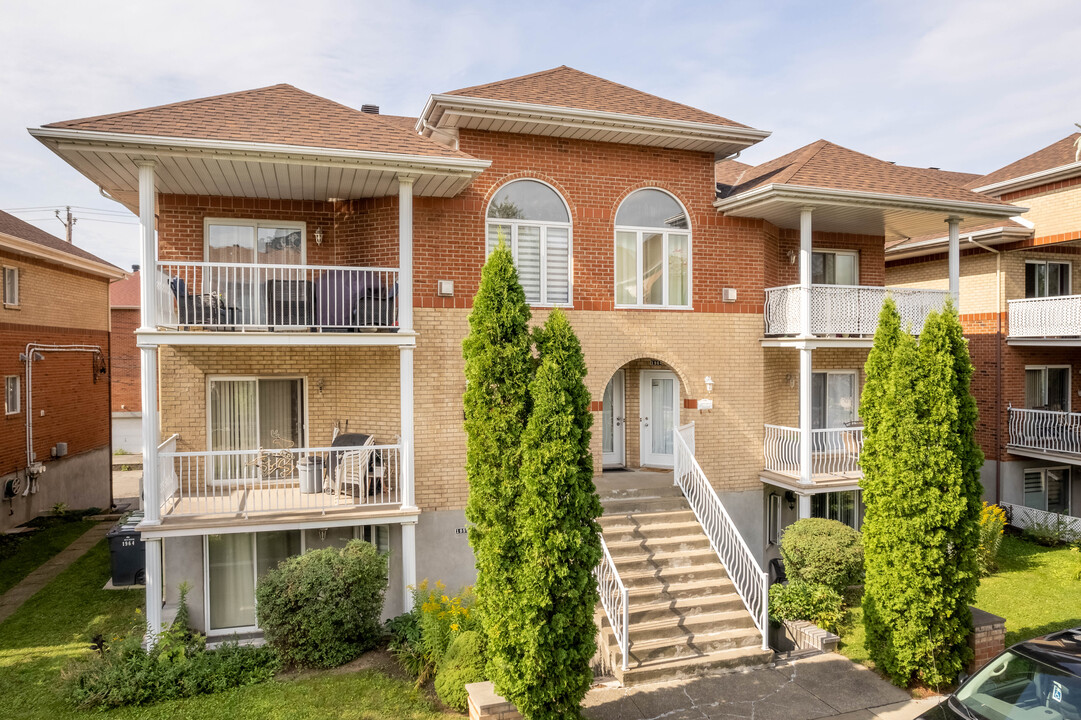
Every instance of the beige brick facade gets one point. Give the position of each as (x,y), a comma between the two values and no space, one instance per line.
(1054,212)
(51,296)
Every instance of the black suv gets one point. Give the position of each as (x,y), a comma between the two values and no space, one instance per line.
(1037,679)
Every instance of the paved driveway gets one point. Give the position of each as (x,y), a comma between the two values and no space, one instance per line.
(815,687)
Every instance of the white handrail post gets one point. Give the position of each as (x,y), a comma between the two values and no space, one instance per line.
(626,625)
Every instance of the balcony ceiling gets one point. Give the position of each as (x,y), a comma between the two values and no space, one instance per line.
(240,169)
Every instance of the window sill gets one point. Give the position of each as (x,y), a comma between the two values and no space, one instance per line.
(12,306)
(670,308)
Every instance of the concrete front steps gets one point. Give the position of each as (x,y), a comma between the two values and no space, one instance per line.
(685,617)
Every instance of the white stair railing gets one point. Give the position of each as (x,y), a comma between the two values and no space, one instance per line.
(614,600)
(751,582)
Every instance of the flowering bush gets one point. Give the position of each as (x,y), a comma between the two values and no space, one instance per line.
(992,525)
(421,637)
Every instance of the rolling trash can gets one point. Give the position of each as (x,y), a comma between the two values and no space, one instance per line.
(310,470)
(127,552)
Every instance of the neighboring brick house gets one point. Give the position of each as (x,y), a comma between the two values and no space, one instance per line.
(1022,317)
(54,346)
(127,402)
(314,268)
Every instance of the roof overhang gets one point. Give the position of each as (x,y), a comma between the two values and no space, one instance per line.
(988,236)
(1043,177)
(448,113)
(229,168)
(25,247)
(854,211)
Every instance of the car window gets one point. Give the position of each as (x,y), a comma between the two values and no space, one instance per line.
(1015,687)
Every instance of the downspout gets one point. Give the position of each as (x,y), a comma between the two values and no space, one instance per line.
(998,365)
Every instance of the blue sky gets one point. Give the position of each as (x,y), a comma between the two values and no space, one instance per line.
(965,84)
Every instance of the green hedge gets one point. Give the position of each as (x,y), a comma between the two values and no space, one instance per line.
(798,600)
(822,552)
(462,664)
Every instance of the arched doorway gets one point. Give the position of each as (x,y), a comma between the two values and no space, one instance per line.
(640,412)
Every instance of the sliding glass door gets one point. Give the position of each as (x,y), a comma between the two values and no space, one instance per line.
(253,413)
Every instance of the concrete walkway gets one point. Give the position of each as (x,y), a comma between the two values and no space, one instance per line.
(816,687)
(13,599)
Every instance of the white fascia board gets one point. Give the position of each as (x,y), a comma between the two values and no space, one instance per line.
(1023,182)
(628,123)
(89,141)
(830,196)
(990,236)
(25,247)
(154,338)
(269,525)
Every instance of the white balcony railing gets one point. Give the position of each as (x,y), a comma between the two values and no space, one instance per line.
(1046,317)
(237,296)
(750,581)
(614,600)
(847,309)
(243,482)
(835,452)
(1045,431)
(1068,527)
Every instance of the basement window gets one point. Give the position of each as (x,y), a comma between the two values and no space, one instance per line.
(11,394)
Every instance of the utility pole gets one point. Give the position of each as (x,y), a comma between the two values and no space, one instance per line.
(70,221)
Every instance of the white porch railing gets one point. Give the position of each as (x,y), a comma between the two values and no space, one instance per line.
(834,451)
(1045,430)
(169,482)
(237,296)
(1046,317)
(847,309)
(1027,518)
(242,482)
(751,582)
(614,600)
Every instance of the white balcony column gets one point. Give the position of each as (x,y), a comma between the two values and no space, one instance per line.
(406,403)
(148,250)
(804,506)
(955,260)
(153,590)
(405,253)
(805,459)
(409,563)
(805,257)
(148,356)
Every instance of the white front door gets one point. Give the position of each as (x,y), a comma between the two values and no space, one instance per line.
(613,432)
(659,401)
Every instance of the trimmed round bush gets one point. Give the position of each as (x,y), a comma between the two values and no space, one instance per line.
(322,609)
(798,600)
(822,552)
(463,664)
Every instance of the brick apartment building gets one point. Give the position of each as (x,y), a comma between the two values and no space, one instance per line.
(127,417)
(306,294)
(54,345)
(1023,322)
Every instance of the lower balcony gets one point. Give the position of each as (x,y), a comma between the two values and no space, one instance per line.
(1045,434)
(352,477)
(846,311)
(835,455)
(1046,320)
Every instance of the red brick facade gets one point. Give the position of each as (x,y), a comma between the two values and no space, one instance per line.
(124,360)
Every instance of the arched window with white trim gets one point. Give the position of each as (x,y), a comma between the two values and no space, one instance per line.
(653,251)
(534,221)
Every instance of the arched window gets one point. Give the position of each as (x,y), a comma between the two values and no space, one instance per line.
(653,251)
(534,222)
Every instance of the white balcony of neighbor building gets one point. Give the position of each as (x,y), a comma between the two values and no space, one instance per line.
(1045,321)
(844,315)
(1045,434)
(835,456)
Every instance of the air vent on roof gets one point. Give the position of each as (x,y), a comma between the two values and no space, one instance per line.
(370,109)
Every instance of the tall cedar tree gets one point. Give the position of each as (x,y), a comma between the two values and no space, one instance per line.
(499,367)
(559,534)
(921,488)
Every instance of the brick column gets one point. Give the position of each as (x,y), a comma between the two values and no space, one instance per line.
(988,638)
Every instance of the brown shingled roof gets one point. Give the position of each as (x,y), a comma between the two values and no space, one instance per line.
(729,172)
(125,293)
(1054,155)
(900,243)
(951,176)
(823,164)
(13,226)
(279,114)
(566,87)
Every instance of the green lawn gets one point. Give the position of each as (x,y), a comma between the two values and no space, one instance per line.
(56,625)
(1034,590)
(21,554)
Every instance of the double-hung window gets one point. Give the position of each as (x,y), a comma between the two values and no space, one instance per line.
(653,251)
(1046,279)
(11,286)
(533,220)
(1047,388)
(12,395)
(1048,489)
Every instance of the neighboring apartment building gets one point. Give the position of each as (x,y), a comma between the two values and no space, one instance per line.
(1022,316)
(124,363)
(54,345)
(309,285)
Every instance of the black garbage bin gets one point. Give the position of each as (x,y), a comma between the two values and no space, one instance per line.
(127,552)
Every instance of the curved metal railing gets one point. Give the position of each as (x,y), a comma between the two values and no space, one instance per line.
(614,599)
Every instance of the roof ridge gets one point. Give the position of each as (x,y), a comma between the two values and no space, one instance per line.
(165,106)
(504,81)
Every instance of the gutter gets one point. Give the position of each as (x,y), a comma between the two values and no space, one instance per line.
(830,196)
(1032,179)
(25,247)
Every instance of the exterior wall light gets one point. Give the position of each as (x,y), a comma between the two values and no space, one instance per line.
(709,384)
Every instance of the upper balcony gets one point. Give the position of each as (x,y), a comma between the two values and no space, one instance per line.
(237,303)
(1045,434)
(844,315)
(1046,321)
(835,456)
